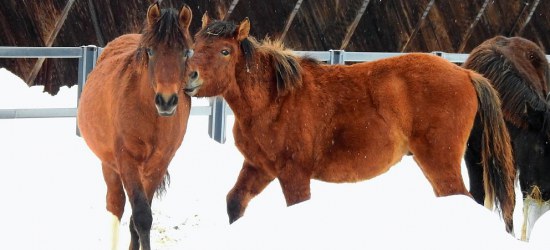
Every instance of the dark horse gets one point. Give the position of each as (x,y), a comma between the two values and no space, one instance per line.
(518,70)
(133,113)
(297,119)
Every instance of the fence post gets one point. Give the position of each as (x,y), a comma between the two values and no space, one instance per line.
(85,65)
(336,57)
(216,120)
(439,53)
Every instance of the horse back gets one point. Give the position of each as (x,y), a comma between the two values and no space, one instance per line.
(417,89)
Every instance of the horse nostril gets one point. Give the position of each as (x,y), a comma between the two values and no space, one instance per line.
(194,75)
(173,101)
(164,104)
(159,100)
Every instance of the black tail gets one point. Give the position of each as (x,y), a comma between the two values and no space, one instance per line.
(490,149)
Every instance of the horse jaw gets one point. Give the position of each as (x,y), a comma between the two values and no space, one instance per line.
(192,87)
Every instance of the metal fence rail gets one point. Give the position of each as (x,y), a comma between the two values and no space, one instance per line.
(217,110)
(70,112)
(41,52)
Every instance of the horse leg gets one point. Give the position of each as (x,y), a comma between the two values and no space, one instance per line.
(475,174)
(142,217)
(444,176)
(153,175)
(116,199)
(295,185)
(251,182)
(473,160)
(440,162)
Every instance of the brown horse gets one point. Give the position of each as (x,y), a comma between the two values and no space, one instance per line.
(519,71)
(133,113)
(297,119)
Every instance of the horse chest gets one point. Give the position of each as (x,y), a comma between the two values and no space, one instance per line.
(157,134)
(261,145)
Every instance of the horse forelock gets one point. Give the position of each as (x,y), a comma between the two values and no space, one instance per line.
(225,29)
(218,28)
(166,31)
(514,88)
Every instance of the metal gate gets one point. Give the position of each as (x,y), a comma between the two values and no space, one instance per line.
(217,109)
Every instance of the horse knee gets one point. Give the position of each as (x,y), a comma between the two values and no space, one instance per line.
(295,192)
(250,183)
(142,217)
(116,203)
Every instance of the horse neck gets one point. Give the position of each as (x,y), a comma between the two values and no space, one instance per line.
(253,91)
(138,84)
(546,123)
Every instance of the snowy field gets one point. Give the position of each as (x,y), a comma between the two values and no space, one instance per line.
(53,197)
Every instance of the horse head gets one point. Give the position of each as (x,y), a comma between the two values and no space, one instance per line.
(219,47)
(538,136)
(168,45)
(528,58)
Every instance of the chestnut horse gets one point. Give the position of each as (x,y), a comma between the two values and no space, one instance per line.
(297,119)
(133,113)
(519,71)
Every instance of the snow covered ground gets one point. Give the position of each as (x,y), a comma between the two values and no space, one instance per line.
(53,198)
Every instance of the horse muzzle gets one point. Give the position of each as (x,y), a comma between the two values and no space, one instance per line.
(193,84)
(166,104)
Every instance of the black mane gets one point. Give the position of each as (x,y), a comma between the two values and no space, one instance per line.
(516,89)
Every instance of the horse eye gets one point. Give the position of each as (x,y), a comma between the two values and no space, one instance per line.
(189,53)
(150,52)
(225,52)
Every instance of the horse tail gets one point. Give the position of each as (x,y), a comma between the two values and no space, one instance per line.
(496,151)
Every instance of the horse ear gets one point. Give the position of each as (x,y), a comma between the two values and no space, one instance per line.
(153,13)
(243,30)
(205,20)
(185,16)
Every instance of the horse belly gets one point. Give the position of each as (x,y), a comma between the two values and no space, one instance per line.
(98,138)
(95,121)
(354,166)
